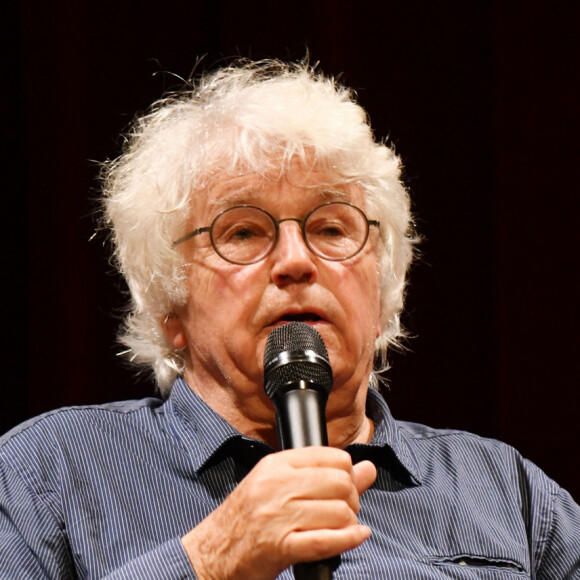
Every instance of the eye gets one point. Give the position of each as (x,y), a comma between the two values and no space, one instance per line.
(333,231)
(242,233)
(326,228)
(239,233)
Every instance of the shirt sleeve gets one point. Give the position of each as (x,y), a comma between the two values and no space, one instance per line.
(560,557)
(34,546)
(167,561)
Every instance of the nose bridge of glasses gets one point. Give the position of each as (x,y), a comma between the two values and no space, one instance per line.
(299,223)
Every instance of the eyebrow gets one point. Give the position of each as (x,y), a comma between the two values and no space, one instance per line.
(235,197)
(251,196)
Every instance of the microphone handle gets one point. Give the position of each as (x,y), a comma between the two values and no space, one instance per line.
(301,417)
(301,422)
(321,570)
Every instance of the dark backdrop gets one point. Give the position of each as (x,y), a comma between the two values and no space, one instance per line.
(479,98)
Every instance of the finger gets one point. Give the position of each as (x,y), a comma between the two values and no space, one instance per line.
(365,474)
(314,456)
(319,515)
(324,483)
(308,546)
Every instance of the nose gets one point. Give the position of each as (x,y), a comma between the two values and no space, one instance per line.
(292,260)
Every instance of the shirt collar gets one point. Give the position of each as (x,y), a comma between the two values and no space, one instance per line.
(201,430)
(388,433)
(204,432)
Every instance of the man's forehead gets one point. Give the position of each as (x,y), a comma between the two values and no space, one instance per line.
(252,188)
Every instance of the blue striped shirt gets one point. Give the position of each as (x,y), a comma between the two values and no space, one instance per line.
(107,491)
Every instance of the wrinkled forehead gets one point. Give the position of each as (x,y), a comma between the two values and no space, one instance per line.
(309,184)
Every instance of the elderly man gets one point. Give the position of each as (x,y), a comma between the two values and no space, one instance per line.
(256,199)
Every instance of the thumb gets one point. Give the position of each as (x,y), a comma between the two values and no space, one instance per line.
(365,474)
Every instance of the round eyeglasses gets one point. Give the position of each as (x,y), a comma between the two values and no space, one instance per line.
(245,234)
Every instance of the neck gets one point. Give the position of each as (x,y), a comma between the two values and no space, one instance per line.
(347,422)
(254,415)
(340,436)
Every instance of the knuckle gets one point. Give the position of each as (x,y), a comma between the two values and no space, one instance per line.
(343,483)
(267,461)
(318,547)
(344,460)
(345,515)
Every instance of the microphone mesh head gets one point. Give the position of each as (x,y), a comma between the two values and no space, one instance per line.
(295,352)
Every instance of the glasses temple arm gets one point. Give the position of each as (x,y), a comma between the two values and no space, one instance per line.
(190,235)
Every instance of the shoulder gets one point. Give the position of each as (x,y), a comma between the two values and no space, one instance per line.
(53,435)
(452,441)
(80,415)
(479,464)
(483,479)
(456,445)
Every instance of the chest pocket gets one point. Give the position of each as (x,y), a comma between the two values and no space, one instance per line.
(465,566)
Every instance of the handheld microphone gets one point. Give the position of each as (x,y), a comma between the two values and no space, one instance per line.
(298,379)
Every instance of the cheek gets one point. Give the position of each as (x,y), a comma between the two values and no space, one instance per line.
(366,311)
(363,295)
(357,293)
(222,297)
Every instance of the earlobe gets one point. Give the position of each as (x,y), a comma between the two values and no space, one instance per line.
(173,330)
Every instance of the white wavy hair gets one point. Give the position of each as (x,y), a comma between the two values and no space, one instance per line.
(243,118)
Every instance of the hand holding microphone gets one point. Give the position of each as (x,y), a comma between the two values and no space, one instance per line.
(298,379)
(298,505)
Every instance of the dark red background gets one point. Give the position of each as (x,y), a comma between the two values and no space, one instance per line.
(481,99)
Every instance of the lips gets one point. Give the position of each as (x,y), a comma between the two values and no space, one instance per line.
(300,317)
(309,315)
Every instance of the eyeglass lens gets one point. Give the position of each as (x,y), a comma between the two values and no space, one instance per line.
(335,231)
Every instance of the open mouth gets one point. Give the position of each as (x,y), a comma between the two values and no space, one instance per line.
(300,317)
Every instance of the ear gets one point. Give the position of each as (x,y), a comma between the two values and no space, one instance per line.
(173,330)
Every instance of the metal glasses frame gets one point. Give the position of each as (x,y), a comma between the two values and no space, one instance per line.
(276,222)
